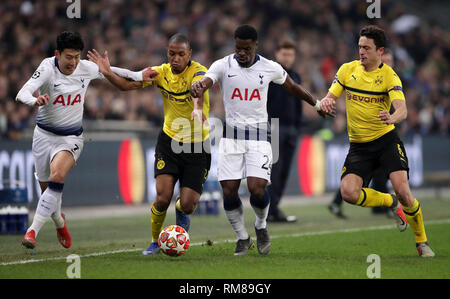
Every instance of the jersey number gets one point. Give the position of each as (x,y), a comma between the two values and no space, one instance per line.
(266,165)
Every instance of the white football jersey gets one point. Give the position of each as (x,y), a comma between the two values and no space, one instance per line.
(244,90)
(64,113)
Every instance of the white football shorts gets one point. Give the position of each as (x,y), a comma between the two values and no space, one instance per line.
(46,145)
(239,159)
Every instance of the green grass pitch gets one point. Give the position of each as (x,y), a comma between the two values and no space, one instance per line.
(317,246)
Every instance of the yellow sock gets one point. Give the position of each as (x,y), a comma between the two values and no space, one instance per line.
(178,206)
(414,217)
(157,222)
(372,198)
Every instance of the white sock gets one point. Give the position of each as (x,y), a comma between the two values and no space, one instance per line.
(47,205)
(38,223)
(56,216)
(261,216)
(236,219)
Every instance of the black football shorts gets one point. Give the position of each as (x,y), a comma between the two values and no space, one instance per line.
(387,152)
(190,167)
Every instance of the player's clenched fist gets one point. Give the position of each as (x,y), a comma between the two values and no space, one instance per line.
(197,89)
(42,100)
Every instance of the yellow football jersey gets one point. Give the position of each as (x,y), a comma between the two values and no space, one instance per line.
(367,94)
(178,104)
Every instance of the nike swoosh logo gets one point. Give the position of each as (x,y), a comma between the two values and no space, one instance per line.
(56,85)
(230,76)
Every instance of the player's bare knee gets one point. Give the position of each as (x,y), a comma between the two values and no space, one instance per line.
(163,198)
(188,208)
(161,203)
(350,195)
(230,193)
(257,189)
(57,177)
(257,192)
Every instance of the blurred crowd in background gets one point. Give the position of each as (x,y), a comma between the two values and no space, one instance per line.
(135,33)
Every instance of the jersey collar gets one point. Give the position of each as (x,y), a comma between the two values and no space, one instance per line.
(57,65)
(187,66)
(257,58)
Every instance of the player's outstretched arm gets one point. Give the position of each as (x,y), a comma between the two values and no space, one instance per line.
(298,91)
(118,81)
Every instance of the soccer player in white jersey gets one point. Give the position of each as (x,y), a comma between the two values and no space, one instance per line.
(62,81)
(245,150)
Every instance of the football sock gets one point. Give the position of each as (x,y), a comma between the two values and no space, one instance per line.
(56,216)
(261,208)
(178,205)
(338,198)
(38,223)
(372,198)
(47,205)
(235,214)
(414,217)
(157,222)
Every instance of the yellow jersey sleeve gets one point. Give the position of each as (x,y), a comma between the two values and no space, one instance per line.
(337,87)
(395,89)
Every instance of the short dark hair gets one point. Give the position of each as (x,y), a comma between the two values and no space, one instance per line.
(179,38)
(375,33)
(246,32)
(286,43)
(69,40)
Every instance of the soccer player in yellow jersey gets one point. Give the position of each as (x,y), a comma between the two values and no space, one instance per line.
(370,88)
(183,148)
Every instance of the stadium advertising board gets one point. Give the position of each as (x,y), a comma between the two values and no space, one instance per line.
(110,172)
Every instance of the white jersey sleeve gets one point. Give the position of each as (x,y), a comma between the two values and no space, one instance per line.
(125,73)
(279,74)
(39,78)
(93,69)
(216,70)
